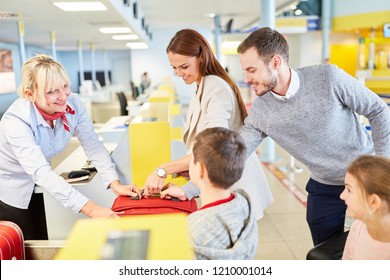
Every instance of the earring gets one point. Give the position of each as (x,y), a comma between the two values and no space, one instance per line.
(373,211)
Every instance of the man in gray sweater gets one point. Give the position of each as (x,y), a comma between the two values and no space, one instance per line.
(310,112)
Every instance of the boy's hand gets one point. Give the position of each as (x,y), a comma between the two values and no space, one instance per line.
(173,191)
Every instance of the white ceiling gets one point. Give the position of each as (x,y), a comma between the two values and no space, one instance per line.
(40,17)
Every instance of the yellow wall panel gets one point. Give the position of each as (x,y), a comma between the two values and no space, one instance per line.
(150,140)
(345,56)
(359,21)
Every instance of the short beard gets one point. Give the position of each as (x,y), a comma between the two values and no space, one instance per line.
(268,86)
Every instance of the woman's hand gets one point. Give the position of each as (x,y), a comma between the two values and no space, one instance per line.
(153,184)
(173,191)
(95,211)
(125,190)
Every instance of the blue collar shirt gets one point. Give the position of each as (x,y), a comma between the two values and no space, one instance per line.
(27,145)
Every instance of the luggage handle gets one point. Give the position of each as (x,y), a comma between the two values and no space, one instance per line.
(155,195)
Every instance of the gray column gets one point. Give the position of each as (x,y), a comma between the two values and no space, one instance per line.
(267,18)
(93,65)
(81,64)
(218,37)
(53,45)
(106,77)
(22,50)
(130,66)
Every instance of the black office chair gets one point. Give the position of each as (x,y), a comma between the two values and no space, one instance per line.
(122,103)
(134,90)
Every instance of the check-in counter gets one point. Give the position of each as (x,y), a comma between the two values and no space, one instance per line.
(149,140)
(377,80)
(159,96)
(166,93)
(380,85)
(150,237)
(59,219)
(152,142)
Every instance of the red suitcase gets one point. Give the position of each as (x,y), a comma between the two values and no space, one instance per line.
(11,241)
(152,205)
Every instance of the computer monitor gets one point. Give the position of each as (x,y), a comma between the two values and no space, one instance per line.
(99,77)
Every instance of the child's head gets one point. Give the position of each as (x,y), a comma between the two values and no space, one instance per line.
(222,153)
(367,186)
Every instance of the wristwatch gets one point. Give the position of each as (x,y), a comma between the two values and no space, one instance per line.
(161,172)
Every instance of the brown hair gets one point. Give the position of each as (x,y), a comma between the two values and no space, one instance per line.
(191,43)
(223,153)
(373,175)
(268,42)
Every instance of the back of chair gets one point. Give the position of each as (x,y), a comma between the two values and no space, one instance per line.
(122,103)
(134,90)
(331,249)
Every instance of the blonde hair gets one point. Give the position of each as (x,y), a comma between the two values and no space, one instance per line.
(40,74)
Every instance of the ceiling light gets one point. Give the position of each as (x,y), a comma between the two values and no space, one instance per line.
(298,12)
(137,46)
(210,15)
(80,6)
(7,15)
(125,37)
(115,30)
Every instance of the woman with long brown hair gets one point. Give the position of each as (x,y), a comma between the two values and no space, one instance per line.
(217,103)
